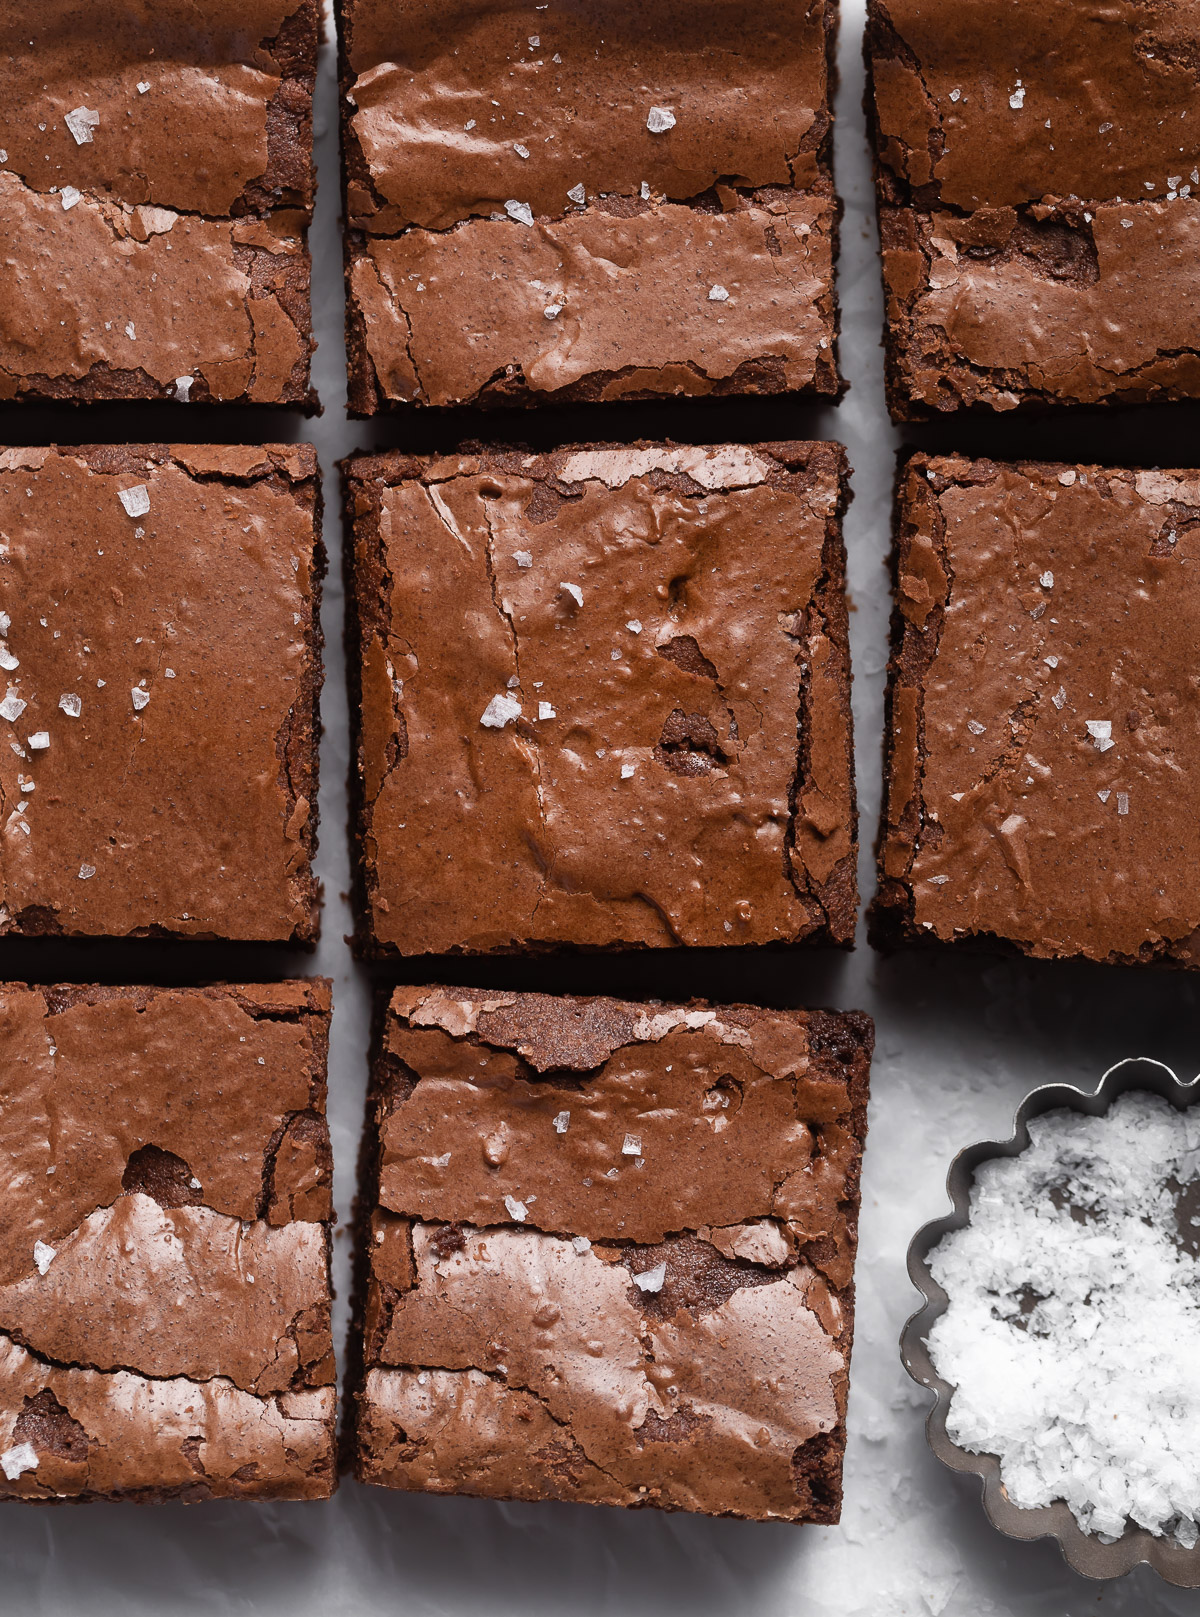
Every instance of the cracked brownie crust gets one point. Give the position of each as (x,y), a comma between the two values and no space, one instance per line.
(155,192)
(1043,726)
(609,1252)
(602,698)
(516,233)
(161,649)
(164,1259)
(1038,186)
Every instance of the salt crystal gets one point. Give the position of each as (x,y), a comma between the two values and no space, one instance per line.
(577,194)
(628,771)
(545,711)
(644,191)
(183,389)
(1059,697)
(82,122)
(71,704)
(1070,1294)
(974,726)
(440,1162)
(16,1461)
(660,120)
(1122,802)
(516,1209)
(632,1146)
(651,1279)
(86,872)
(501,710)
(39,740)
(552,311)
(634,626)
(718,294)
(562,1122)
(1017,99)
(521,151)
(139,698)
(523,558)
(520,211)
(69,197)
(12,706)
(574,591)
(143,86)
(43,1256)
(1105,794)
(1066,478)
(136,500)
(1100,731)
(1047,581)
(7,660)
(581,1244)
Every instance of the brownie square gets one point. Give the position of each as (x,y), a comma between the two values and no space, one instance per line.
(156,187)
(1038,190)
(597,201)
(608,1251)
(602,698)
(164,1256)
(1043,729)
(162,663)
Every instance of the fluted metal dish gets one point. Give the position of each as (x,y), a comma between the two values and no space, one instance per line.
(1083,1551)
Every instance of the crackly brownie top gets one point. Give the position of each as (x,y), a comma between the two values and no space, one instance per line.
(1046,726)
(166,1168)
(643,1215)
(202,108)
(156,745)
(983,105)
(457,109)
(604,697)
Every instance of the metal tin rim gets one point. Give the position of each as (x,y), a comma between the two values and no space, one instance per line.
(1083,1551)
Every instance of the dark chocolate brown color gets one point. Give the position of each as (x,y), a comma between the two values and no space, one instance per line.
(162,662)
(603,698)
(608,1252)
(1043,736)
(1039,200)
(164,1255)
(155,192)
(597,201)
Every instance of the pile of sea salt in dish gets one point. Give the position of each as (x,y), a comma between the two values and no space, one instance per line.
(1072,1339)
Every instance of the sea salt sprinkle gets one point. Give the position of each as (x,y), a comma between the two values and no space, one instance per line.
(1073,1291)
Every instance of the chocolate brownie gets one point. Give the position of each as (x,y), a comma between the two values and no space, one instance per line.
(162,661)
(602,698)
(164,1254)
(1039,201)
(608,1252)
(1043,730)
(156,187)
(597,201)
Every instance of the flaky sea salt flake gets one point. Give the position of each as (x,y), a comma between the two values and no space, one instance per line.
(562,1122)
(659,120)
(546,711)
(86,872)
(82,122)
(1100,731)
(69,196)
(523,558)
(520,211)
(651,1279)
(501,710)
(516,1209)
(136,500)
(139,698)
(572,590)
(632,1146)
(1122,802)
(183,389)
(12,707)
(718,294)
(43,1256)
(16,1461)
(39,740)
(71,704)
(577,194)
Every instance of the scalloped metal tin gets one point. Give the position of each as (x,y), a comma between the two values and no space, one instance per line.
(1083,1551)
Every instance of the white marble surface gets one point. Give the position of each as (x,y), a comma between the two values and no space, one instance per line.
(959,1042)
